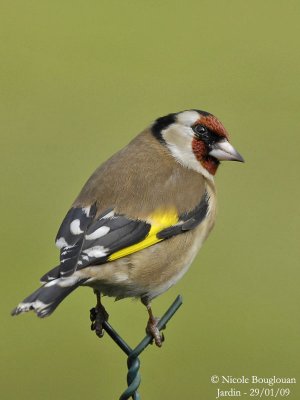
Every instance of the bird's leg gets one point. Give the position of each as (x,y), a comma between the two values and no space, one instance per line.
(98,315)
(151,327)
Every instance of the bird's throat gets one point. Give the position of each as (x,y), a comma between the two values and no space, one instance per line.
(201,153)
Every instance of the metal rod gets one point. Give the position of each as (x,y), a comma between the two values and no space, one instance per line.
(116,338)
(161,325)
(133,362)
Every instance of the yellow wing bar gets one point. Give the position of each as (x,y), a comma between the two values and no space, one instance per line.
(159,221)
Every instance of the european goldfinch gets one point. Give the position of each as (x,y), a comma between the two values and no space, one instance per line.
(141,218)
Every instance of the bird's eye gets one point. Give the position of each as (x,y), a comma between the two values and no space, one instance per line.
(200,131)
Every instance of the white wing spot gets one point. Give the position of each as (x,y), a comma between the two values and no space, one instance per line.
(109,215)
(96,251)
(86,210)
(61,242)
(98,233)
(75,227)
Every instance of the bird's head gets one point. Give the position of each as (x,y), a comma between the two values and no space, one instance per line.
(197,140)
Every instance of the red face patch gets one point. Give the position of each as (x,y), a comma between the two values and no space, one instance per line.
(213,124)
(200,151)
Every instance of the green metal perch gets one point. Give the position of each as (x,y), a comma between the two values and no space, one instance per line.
(133,362)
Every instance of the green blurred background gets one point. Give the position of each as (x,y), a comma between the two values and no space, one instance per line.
(79,79)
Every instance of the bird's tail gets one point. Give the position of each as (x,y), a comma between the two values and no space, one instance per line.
(45,299)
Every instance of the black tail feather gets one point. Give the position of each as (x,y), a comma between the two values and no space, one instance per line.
(45,299)
(50,275)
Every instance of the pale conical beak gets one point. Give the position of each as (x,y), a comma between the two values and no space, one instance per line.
(225,151)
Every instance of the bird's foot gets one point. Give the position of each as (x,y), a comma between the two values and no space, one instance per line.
(153,330)
(98,315)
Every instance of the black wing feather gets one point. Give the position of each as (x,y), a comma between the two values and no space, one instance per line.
(84,215)
(87,246)
(121,237)
(187,221)
(95,239)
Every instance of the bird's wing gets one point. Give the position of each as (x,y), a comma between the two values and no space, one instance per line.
(86,240)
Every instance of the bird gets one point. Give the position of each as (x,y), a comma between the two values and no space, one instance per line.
(141,218)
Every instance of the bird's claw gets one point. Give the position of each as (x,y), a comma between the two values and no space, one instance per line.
(152,329)
(98,315)
(93,314)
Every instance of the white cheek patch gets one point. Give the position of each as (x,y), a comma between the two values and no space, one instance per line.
(179,140)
